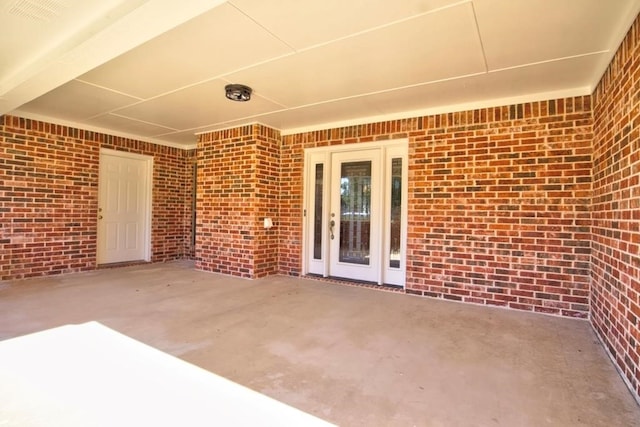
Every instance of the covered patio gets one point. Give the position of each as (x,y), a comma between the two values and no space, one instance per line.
(346,354)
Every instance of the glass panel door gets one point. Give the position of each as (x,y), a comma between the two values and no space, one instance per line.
(354,222)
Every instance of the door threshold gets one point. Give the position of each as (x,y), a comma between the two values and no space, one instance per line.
(355,282)
(122,264)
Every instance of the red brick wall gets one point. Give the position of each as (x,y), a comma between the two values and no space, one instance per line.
(291,190)
(498,203)
(238,181)
(615,299)
(189,217)
(49,197)
(267,183)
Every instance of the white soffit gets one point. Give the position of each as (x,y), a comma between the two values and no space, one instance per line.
(303,24)
(88,101)
(107,29)
(157,70)
(196,106)
(189,54)
(47,30)
(107,121)
(348,109)
(518,32)
(184,139)
(437,45)
(510,83)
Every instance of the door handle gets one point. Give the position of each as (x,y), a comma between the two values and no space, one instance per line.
(99,216)
(332,223)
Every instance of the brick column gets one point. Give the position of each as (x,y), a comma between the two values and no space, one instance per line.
(238,175)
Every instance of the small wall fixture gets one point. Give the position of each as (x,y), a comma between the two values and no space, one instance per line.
(235,92)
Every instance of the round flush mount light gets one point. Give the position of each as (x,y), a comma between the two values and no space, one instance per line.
(236,92)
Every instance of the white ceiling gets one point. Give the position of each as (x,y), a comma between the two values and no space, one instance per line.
(156,69)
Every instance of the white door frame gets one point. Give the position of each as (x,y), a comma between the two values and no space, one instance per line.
(323,155)
(146,199)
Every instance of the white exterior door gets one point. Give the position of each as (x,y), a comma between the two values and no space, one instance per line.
(356,212)
(354,215)
(124,206)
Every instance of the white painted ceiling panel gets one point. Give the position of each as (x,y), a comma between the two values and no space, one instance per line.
(518,32)
(78,101)
(330,112)
(194,52)
(186,139)
(135,127)
(126,25)
(435,46)
(329,20)
(460,94)
(195,106)
(52,25)
(156,70)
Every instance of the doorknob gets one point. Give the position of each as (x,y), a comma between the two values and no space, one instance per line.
(332,223)
(99,216)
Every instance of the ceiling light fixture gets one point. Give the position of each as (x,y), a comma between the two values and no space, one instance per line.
(240,93)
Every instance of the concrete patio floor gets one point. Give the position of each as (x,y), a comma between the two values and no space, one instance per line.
(350,355)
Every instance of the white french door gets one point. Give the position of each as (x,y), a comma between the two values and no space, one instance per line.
(355,212)
(124,204)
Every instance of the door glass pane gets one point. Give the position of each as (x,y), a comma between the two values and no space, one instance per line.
(395,215)
(317,214)
(355,211)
